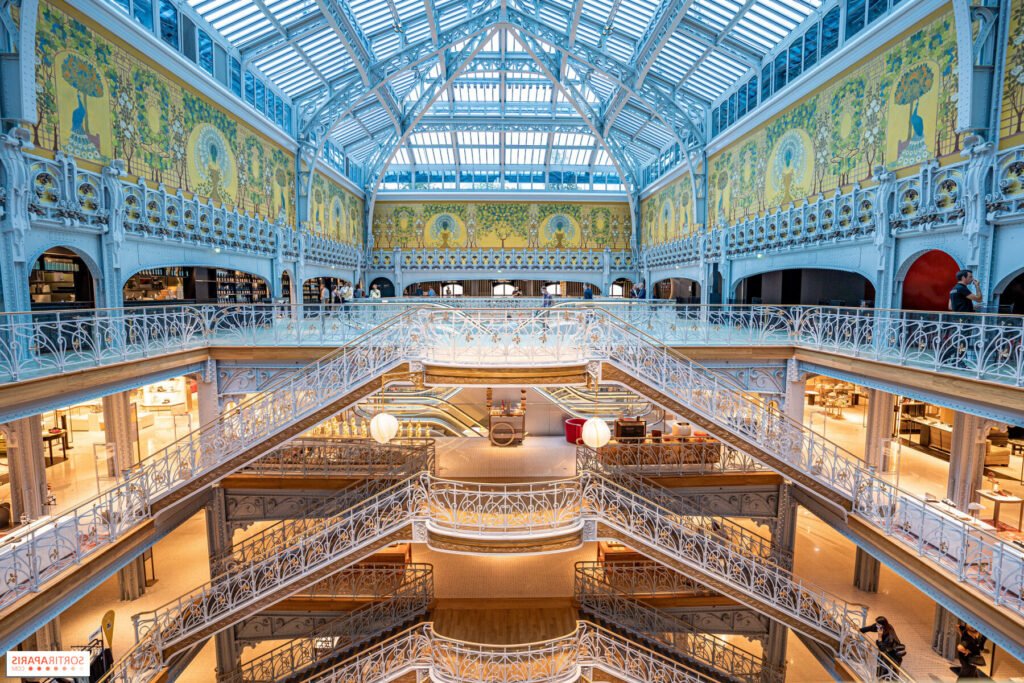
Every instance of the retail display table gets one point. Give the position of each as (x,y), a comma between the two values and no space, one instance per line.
(1000,497)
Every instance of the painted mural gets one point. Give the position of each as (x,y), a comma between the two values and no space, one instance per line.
(334,212)
(501,225)
(895,109)
(98,101)
(1012,119)
(669,213)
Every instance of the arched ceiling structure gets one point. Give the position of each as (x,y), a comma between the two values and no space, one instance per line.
(513,87)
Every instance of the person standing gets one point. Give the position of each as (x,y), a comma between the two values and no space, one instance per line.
(961,299)
(889,647)
(375,292)
(588,293)
(325,297)
(431,292)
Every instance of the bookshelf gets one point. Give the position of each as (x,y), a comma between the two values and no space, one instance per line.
(236,287)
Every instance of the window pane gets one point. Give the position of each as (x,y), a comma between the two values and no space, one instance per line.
(261,97)
(752,93)
(126,5)
(725,114)
(796,53)
(811,47)
(780,71)
(741,101)
(236,77)
(205,52)
(288,123)
(830,32)
(732,109)
(143,12)
(766,82)
(279,111)
(876,8)
(250,88)
(854,17)
(169,23)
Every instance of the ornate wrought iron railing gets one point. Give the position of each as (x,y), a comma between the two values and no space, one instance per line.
(63,194)
(953,542)
(984,346)
(558,660)
(399,605)
(693,515)
(704,651)
(491,511)
(379,466)
(352,458)
(644,579)
(26,561)
(646,459)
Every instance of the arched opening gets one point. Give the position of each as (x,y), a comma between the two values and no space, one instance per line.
(928,281)
(1011,297)
(682,290)
(193,284)
(807,286)
(61,279)
(312,288)
(621,288)
(386,286)
(501,289)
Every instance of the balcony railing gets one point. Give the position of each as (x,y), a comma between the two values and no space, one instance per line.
(989,347)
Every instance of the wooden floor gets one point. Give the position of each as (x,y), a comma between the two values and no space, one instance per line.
(504,622)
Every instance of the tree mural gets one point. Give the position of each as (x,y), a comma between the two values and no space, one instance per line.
(1013,87)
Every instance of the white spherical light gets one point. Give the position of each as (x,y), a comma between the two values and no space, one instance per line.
(596,433)
(383,427)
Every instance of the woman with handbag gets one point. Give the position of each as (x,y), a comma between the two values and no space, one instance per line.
(889,647)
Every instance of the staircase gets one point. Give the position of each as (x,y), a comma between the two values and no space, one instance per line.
(379,467)
(494,511)
(835,476)
(735,535)
(715,656)
(301,657)
(280,412)
(446,660)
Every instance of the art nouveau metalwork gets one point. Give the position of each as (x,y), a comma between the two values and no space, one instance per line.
(602,601)
(504,511)
(985,346)
(405,592)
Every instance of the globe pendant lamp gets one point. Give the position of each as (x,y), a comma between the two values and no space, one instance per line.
(383,427)
(595,432)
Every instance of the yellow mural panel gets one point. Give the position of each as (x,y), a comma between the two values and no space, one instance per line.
(895,109)
(99,99)
(669,214)
(501,225)
(1012,120)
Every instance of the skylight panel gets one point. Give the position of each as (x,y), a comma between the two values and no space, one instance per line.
(524,156)
(553,17)
(528,138)
(401,157)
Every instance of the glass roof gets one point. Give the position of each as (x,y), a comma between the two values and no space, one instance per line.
(430,84)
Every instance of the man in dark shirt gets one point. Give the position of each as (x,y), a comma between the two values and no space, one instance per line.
(961,300)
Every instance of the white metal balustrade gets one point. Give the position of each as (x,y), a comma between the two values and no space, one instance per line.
(560,660)
(988,563)
(27,561)
(492,511)
(704,651)
(408,591)
(983,346)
